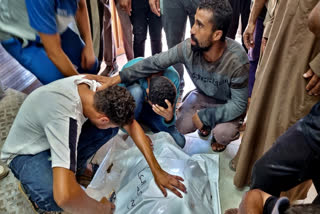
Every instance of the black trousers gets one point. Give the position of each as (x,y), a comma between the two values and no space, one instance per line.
(240,8)
(141,18)
(289,162)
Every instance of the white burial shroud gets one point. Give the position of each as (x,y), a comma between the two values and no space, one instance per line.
(136,190)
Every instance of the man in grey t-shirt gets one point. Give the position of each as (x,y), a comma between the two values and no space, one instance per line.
(49,143)
(218,67)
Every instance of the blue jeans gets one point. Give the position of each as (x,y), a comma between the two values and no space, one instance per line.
(144,114)
(35,171)
(35,59)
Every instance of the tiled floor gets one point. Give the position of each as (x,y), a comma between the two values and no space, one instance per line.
(230,196)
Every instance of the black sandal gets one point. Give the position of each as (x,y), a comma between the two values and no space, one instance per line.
(204,131)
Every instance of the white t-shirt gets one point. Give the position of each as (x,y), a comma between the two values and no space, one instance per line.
(50,118)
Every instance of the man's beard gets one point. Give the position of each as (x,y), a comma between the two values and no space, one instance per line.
(197,48)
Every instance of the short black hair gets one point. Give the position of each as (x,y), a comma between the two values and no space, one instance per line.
(303,209)
(222,14)
(161,88)
(116,103)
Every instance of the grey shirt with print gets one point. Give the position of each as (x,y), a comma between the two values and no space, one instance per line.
(225,80)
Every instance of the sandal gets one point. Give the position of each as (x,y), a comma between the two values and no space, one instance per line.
(204,131)
(220,149)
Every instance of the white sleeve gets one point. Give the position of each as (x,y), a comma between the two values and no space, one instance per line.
(63,135)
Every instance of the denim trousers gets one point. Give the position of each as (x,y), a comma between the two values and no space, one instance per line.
(35,171)
(35,59)
(144,114)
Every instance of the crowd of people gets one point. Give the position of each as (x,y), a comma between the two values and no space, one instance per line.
(272,78)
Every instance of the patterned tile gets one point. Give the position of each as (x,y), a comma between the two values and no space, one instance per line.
(11,200)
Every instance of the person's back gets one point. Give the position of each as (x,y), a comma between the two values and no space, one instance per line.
(57,101)
(49,142)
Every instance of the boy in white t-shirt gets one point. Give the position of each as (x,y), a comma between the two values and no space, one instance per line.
(49,143)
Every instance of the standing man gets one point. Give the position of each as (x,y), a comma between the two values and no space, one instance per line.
(287,82)
(219,68)
(41,35)
(109,44)
(239,8)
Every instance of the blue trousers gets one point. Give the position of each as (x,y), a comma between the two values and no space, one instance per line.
(144,113)
(35,171)
(35,59)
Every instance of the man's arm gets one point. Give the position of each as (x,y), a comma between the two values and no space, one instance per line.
(314,20)
(82,19)
(66,191)
(71,198)
(255,11)
(145,67)
(52,46)
(42,18)
(313,86)
(235,107)
(162,178)
(155,6)
(126,6)
(155,64)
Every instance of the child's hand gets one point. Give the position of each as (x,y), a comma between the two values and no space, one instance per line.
(166,113)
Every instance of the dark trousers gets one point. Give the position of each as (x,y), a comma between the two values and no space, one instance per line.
(141,18)
(289,162)
(254,53)
(239,7)
(174,15)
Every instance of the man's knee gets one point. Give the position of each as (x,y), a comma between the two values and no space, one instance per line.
(257,176)
(184,124)
(225,133)
(35,174)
